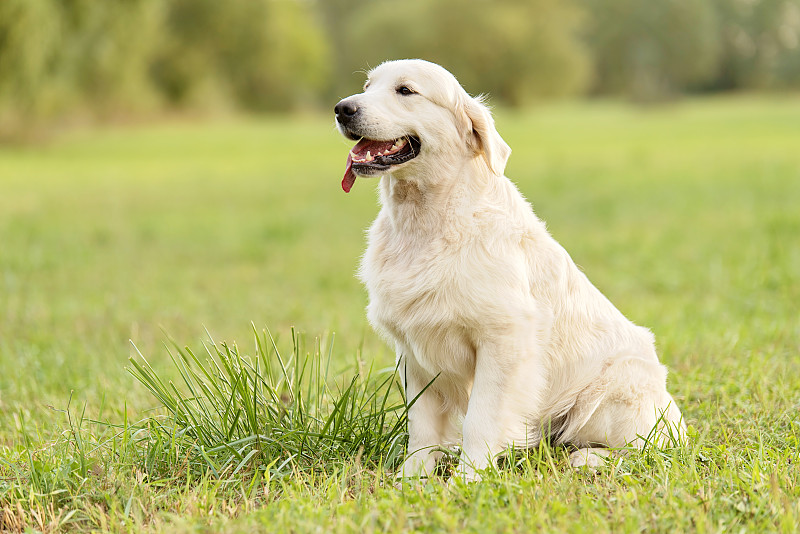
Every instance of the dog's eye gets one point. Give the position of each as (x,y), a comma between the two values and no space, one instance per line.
(405,91)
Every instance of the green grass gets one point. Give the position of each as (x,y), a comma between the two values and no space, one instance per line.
(270,414)
(686,216)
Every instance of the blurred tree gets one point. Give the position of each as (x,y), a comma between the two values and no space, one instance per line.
(29,44)
(125,56)
(82,54)
(517,50)
(105,51)
(339,21)
(651,49)
(261,54)
(760,42)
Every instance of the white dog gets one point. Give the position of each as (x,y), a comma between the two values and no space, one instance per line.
(478,299)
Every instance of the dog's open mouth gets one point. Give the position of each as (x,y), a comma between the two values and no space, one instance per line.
(370,157)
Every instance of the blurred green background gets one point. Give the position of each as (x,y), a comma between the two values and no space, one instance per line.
(107,233)
(172,165)
(87,59)
(242,215)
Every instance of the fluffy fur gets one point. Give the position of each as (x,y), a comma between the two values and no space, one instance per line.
(468,285)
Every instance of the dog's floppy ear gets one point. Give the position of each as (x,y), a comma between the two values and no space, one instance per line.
(483,137)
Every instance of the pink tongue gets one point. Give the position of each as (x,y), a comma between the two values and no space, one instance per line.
(349,176)
(360,150)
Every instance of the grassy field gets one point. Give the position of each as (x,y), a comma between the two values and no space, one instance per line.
(686,216)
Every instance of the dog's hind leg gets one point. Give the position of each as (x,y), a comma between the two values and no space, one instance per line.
(633,409)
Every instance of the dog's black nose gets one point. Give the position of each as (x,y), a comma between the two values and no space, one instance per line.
(345,111)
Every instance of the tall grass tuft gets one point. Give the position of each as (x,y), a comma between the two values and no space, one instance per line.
(270,413)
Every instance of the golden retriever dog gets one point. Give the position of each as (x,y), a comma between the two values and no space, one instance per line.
(490,318)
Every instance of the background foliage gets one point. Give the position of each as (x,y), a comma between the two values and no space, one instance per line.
(124,57)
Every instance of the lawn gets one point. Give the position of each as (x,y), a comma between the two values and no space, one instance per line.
(114,241)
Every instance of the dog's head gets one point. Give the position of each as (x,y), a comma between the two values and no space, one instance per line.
(413,111)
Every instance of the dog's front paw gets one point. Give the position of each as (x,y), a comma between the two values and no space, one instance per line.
(416,469)
(590,458)
(400,482)
(464,475)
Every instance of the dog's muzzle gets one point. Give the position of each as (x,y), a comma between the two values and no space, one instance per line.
(370,157)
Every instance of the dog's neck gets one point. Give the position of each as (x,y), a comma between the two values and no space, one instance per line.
(416,206)
(406,192)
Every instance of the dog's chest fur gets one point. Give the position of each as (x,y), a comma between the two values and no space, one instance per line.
(436,291)
(411,298)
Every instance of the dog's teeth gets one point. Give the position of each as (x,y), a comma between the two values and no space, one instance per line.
(369,156)
(400,143)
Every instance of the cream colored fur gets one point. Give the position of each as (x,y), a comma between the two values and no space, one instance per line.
(470,288)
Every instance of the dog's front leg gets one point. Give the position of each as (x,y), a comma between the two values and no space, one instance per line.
(428,422)
(503,403)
